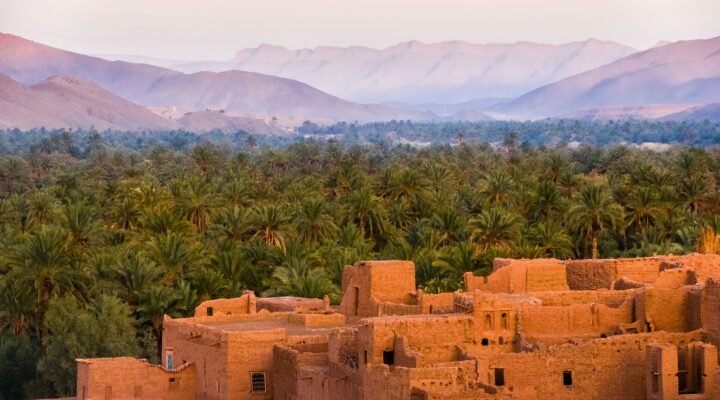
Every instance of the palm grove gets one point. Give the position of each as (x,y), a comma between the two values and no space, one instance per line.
(99,242)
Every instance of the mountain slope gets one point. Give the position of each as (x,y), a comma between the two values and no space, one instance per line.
(682,72)
(236,91)
(710,112)
(65,102)
(424,72)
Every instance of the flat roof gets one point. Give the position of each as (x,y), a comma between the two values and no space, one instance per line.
(291,329)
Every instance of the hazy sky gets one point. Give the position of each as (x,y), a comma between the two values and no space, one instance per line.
(215,29)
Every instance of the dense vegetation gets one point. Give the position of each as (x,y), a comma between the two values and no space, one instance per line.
(103,234)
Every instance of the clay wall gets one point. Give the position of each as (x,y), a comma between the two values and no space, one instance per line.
(612,368)
(672,310)
(128,378)
(367,284)
(440,303)
(435,338)
(675,277)
(251,352)
(710,310)
(610,298)
(206,348)
(288,370)
(317,320)
(574,319)
(520,276)
(244,304)
(287,304)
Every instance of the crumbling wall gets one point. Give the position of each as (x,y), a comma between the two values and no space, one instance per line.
(317,320)
(610,298)
(710,310)
(521,276)
(434,337)
(203,346)
(130,378)
(575,319)
(612,368)
(367,284)
(675,277)
(289,303)
(672,310)
(244,304)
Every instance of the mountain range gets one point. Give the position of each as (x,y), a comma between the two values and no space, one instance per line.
(236,91)
(46,86)
(678,73)
(69,102)
(414,72)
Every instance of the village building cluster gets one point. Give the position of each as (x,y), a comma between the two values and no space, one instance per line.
(641,328)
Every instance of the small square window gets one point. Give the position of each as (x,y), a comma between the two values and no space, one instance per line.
(209,311)
(567,378)
(257,382)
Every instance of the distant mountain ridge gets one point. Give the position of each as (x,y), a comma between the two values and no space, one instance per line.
(415,72)
(63,102)
(237,91)
(683,72)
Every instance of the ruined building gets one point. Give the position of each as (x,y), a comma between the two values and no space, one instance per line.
(645,328)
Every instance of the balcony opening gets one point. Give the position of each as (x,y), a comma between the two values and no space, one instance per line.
(499,377)
(389,357)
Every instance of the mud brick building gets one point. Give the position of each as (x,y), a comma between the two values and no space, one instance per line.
(644,328)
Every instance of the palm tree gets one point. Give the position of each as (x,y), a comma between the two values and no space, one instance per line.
(82,223)
(313,221)
(15,308)
(593,213)
(494,228)
(457,259)
(298,278)
(230,223)
(365,209)
(449,224)
(175,255)
(135,275)
(154,304)
(269,223)
(497,186)
(547,199)
(552,239)
(197,202)
(643,208)
(41,208)
(45,266)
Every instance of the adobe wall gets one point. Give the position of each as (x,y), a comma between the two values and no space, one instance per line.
(710,310)
(434,337)
(575,320)
(367,284)
(612,368)
(610,298)
(128,378)
(244,304)
(596,274)
(672,310)
(288,304)
(206,348)
(290,381)
(520,276)
(440,303)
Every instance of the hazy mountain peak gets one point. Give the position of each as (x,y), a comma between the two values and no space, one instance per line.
(414,71)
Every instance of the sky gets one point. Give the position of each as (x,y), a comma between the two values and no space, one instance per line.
(216,29)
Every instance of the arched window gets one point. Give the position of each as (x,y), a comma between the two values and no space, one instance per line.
(488,321)
(504,321)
